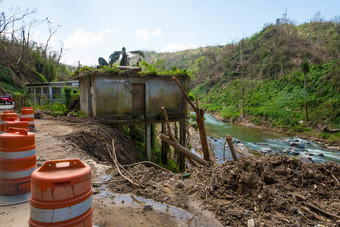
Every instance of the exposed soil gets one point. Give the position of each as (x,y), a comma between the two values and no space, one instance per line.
(266,191)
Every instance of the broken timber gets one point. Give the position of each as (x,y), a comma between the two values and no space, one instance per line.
(182,149)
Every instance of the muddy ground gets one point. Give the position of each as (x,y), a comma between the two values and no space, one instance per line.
(254,191)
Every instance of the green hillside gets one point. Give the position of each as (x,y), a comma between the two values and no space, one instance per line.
(23,61)
(260,79)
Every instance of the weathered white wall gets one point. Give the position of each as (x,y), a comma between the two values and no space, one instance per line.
(113,96)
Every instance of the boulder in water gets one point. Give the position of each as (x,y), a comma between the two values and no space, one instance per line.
(297,144)
(295,152)
(319,154)
(290,150)
(305,158)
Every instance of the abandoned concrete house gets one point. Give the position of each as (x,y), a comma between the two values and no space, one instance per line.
(131,97)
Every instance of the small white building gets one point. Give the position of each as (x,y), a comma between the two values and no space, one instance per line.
(49,92)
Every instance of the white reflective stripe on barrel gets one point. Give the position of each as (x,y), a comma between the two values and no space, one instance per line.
(32,115)
(17,174)
(15,155)
(61,214)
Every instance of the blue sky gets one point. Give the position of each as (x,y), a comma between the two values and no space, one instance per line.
(91,28)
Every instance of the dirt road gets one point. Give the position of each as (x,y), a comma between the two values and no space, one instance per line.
(50,145)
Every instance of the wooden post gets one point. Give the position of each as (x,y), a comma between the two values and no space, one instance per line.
(132,132)
(50,94)
(34,95)
(182,149)
(224,150)
(164,146)
(231,147)
(182,142)
(41,100)
(152,136)
(148,141)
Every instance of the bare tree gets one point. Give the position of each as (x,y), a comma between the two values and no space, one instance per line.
(16,15)
(52,30)
(61,53)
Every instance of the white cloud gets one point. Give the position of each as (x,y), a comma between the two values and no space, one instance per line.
(81,38)
(190,34)
(142,34)
(172,47)
(157,33)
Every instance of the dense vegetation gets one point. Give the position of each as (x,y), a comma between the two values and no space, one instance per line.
(260,78)
(23,60)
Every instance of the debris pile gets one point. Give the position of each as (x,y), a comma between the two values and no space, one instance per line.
(96,140)
(270,190)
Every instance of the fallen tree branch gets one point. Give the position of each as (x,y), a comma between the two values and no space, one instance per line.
(113,156)
(332,176)
(182,149)
(108,182)
(170,133)
(147,163)
(321,211)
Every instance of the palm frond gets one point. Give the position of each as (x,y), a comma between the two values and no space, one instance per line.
(114,57)
(138,52)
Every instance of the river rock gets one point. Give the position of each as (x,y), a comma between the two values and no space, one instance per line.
(297,144)
(305,158)
(295,152)
(319,154)
(236,141)
(290,150)
(266,150)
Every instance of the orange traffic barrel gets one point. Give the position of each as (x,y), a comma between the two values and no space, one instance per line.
(22,122)
(28,112)
(61,194)
(17,161)
(4,116)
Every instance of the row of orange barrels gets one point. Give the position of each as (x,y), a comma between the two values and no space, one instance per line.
(10,119)
(60,189)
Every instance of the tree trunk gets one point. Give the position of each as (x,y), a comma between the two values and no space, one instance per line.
(203,135)
(304,87)
(200,122)
(182,149)
(243,103)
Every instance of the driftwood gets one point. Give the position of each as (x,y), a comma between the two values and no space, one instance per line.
(200,122)
(321,211)
(147,163)
(231,147)
(114,158)
(182,149)
(171,135)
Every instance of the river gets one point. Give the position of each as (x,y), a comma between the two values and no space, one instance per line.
(264,141)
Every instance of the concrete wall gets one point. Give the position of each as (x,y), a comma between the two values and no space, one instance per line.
(84,94)
(112,96)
